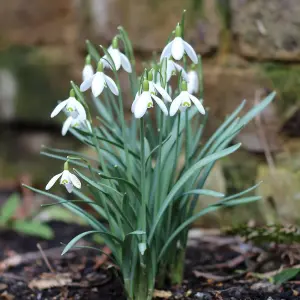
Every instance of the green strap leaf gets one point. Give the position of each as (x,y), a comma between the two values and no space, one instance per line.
(80,236)
(204,192)
(190,172)
(203,212)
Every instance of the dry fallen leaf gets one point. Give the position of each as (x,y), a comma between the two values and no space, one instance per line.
(49,280)
(6,296)
(162,294)
(3,286)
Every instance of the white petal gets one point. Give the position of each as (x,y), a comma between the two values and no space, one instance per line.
(142,105)
(151,87)
(59,108)
(125,63)
(198,104)
(65,177)
(163,92)
(87,72)
(69,187)
(134,102)
(175,105)
(86,84)
(111,84)
(66,125)
(98,84)
(182,108)
(76,182)
(178,48)
(115,55)
(179,68)
(52,181)
(193,82)
(161,104)
(190,52)
(81,110)
(167,51)
(104,61)
(170,69)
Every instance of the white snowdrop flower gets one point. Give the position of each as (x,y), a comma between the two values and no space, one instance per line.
(98,82)
(144,101)
(155,88)
(71,106)
(67,179)
(193,82)
(172,67)
(88,70)
(184,100)
(178,47)
(78,122)
(117,56)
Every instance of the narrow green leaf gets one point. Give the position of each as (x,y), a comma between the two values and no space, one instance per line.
(136,232)
(204,192)
(80,236)
(184,178)
(92,51)
(203,212)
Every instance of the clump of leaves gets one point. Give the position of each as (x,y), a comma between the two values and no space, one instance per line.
(25,226)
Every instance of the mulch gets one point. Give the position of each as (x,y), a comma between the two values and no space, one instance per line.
(217,268)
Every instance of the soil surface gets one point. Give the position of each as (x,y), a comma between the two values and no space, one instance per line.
(217,268)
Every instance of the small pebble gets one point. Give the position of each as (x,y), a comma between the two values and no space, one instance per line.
(203,296)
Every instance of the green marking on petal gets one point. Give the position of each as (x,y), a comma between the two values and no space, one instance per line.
(186,104)
(65,181)
(150,104)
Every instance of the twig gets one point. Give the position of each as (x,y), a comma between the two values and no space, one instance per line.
(46,260)
(29,257)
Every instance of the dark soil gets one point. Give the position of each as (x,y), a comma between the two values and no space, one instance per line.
(217,268)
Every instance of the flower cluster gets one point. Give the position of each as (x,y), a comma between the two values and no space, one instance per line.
(150,89)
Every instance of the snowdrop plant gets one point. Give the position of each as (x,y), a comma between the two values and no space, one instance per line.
(142,196)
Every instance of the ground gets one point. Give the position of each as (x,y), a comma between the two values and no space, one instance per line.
(217,268)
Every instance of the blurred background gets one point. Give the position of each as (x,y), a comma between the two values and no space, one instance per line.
(249,48)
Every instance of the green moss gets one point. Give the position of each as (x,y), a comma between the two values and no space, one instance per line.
(286,80)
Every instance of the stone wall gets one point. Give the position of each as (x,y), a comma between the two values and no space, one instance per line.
(247,46)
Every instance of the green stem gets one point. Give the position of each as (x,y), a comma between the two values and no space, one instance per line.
(128,162)
(177,267)
(157,196)
(187,140)
(143,177)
